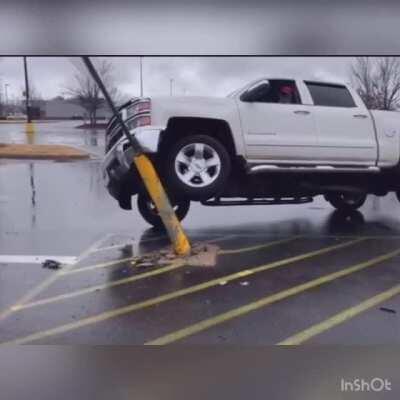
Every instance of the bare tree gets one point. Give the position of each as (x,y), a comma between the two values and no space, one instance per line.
(377,80)
(85,92)
(1,101)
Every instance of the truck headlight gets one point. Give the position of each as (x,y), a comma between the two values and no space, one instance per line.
(140,120)
(142,106)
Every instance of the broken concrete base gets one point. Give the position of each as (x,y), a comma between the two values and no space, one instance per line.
(202,255)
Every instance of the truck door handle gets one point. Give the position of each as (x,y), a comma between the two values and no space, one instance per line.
(363,116)
(302,112)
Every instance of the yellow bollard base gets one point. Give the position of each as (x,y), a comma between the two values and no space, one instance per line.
(30,128)
(157,193)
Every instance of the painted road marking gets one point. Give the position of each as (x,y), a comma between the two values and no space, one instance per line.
(30,259)
(158,238)
(173,295)
(99,265)
(116,246)
(263,302)
(177,264)
(256,247)
(340,317)
(92,289)
(94,246)
(122,260)
(47,282)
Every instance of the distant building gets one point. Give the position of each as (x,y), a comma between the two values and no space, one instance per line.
(61,108)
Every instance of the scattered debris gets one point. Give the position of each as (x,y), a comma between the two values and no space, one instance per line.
(51,264)
(389,310)
(144,264)
(203,255)
(222,283)
(244,283)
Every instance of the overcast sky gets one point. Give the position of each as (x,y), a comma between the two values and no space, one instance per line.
(216,76)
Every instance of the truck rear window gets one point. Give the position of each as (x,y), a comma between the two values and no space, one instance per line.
(330,95)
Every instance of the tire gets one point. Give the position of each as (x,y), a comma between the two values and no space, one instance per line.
(196,167)
(346,201)
(149,212)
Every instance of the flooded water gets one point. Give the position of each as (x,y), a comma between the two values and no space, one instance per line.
(55,132)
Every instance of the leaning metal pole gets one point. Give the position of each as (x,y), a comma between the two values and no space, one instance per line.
(29,124)
(148,174)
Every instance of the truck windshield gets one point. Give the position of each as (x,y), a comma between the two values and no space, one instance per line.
(235,92)
(232,94)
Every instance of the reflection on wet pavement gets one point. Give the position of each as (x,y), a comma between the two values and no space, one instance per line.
(60,208)
(55,132)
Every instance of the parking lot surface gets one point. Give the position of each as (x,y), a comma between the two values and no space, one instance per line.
(300,274)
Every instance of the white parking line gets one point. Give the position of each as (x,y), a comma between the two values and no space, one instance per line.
(36,290)
(32,259)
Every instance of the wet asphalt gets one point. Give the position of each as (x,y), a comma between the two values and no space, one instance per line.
(282,270)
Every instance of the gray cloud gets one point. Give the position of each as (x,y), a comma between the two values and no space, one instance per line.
(191,75)
(199,27)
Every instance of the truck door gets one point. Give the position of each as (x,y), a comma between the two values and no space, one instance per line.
(345,127)
(277,127)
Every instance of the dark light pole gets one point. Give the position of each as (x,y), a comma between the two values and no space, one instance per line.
(6,85)
(148,173)
(28,113)
(141,76)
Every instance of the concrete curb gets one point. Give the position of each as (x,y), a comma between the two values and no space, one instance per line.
(41,151)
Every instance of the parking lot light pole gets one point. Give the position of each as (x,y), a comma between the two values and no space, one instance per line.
(148,174)
(141,75)
(6,85)
(30,129)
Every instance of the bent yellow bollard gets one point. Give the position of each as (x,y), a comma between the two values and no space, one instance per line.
(158,195)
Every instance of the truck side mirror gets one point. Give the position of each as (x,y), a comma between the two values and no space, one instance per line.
(253,93)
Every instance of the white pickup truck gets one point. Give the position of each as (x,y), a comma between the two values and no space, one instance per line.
(274,141)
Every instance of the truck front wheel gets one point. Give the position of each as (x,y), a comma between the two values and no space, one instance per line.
(197,167)
(346,201)
(150,214)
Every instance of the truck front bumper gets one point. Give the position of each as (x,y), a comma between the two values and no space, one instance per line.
(119,173)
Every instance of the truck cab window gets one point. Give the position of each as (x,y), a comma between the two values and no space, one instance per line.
(330,95)
(281,91)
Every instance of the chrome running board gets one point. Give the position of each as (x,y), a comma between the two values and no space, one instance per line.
(255,169)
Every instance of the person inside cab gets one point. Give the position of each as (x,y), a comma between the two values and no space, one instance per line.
(286,94)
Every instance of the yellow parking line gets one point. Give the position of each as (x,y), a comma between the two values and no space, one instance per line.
(122,260)
(173,295)
(99,265)
(240,311)
(48,281)
(92,289)
(340,318)
(177,264)
(258,246)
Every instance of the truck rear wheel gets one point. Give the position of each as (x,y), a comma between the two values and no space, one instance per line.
(150,214)
(197,167)
(346,201)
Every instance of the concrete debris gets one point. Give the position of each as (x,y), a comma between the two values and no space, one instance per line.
(388,310)
(202,255)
